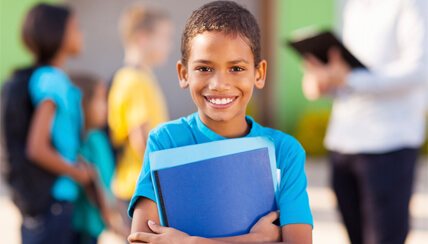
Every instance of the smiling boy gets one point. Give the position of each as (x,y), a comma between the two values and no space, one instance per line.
(221,65)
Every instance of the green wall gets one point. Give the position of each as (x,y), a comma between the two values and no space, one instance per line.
(12,52)
(290,104)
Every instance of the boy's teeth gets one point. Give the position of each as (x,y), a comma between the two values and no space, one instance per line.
(221,101)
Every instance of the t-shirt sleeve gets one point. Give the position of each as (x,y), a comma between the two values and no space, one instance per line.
(293,201)
(136,106)
(47,85)
(144,187)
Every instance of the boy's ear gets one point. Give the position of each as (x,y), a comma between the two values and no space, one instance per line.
(261,74)
(182,75)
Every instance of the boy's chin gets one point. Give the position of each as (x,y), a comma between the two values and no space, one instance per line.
(223,116)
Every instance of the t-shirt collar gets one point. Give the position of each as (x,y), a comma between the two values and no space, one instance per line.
(216,137)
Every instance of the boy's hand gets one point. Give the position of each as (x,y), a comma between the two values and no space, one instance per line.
(266,230)
(162,235)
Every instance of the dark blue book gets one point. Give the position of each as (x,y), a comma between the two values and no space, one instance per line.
(215,189)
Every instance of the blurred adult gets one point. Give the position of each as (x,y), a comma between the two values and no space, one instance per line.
(377,123)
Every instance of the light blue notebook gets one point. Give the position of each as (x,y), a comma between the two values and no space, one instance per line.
(215,189)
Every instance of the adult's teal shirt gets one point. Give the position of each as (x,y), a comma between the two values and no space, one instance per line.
(293,201)
(50,83)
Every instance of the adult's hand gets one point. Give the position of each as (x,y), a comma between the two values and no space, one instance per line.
(320,78)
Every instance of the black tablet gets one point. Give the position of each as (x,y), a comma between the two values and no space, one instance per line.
(319,44)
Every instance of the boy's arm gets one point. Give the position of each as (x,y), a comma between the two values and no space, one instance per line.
(293,234)
(146,210)
(297,233)
(263,231)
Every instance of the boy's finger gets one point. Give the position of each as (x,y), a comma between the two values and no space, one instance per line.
(272,216)
(156,228)
(140,236)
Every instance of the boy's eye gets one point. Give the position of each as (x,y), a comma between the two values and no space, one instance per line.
(203,69)
(237,69)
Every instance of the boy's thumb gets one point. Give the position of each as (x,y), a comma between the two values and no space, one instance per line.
(155,227)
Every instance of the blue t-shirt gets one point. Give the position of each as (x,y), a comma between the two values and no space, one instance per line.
(50,83)
(293,198)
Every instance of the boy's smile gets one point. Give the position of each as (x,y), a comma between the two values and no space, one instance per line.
(221,76)
(220,102)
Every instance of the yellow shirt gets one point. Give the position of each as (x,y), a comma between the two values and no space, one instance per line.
(135,99)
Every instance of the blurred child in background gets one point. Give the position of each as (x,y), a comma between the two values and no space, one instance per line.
(136,103)
(91,217)
(52,35)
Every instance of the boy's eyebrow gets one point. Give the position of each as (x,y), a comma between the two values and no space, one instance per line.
(230,62)
(202,61)
(238,61)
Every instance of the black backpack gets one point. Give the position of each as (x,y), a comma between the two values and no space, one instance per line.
(30,186)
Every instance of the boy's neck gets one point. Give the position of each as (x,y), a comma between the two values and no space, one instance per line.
(234,128)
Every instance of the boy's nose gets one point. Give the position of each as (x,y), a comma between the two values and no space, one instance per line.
(219,82)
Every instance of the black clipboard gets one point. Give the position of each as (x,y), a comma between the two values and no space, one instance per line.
(319,44)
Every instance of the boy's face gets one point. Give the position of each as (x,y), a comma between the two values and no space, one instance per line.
(221,75)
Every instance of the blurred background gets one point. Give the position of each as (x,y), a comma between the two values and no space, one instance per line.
(280,105)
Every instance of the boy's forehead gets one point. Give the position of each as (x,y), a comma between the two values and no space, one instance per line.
(215,45)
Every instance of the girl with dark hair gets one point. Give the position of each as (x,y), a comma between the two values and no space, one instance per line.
(52,35)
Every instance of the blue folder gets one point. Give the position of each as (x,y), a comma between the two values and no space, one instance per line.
(215,189)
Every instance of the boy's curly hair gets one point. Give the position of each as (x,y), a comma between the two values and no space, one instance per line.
(224,16)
